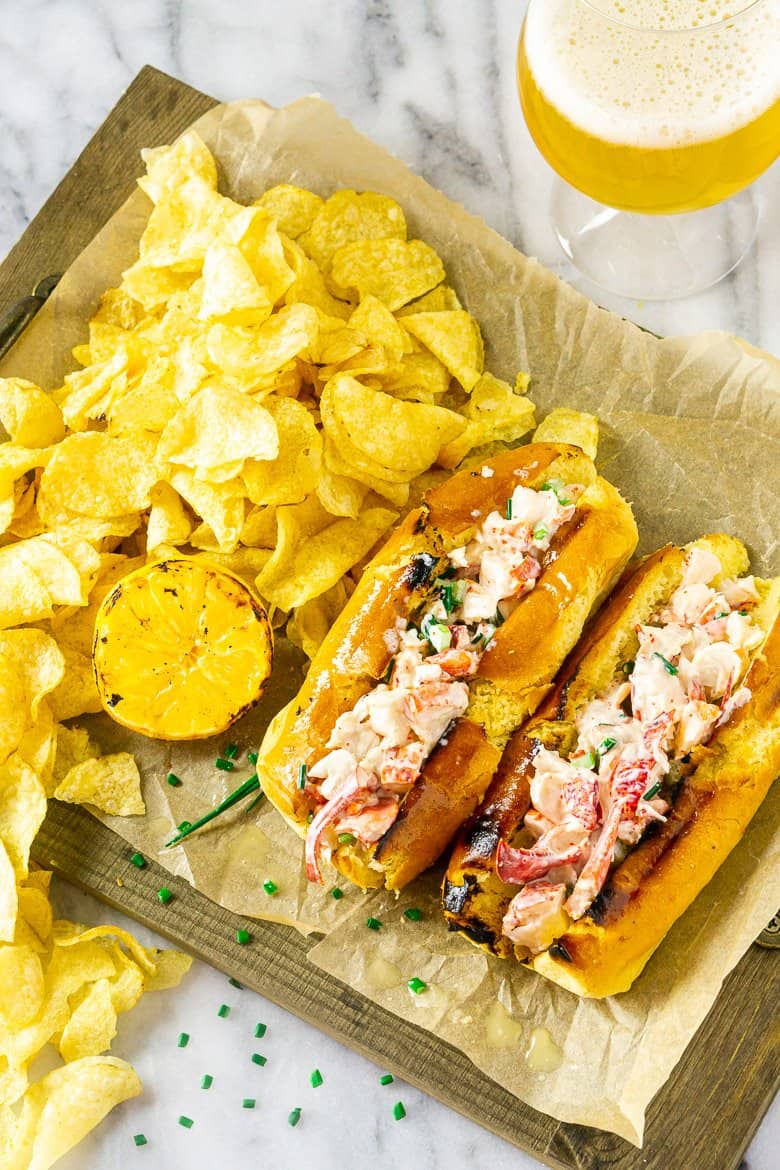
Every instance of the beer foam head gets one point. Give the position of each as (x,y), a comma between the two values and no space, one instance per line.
(655,73)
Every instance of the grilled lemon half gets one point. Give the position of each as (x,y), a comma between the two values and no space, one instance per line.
(181,650)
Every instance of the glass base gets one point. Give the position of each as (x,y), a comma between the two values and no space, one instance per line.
(653,257)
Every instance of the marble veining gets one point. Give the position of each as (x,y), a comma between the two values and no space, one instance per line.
(433,81)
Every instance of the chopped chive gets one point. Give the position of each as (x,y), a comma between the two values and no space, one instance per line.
(438,633)
(742,612)
(260,1030)
(723,613)
(417,986)
(242,937)
(252,784)
(258,1059)
(302,776)
(224,1011)
(337,893)
(668,666)
(606,745)
(540,532)
(207,1081)
(235,983)
(139,1139)
(388,671)
(587,760)
(184,1039)
(173,780)
(413,914)
(498,618)
(248,1103)
(509,508)
(252,757)
(316,1079)
(294,1116)
(654,788)
(628,667)
(309,818)
(231,751)
(138,860)
(270,887)
(187,1122)
(223,764)
(386,1079)
(164,895)
(346,839)
(373,924)
(398,1111)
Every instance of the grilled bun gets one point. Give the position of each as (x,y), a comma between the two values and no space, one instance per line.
(721,785)
(585,557)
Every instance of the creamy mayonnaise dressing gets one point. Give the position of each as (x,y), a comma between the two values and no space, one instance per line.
(377,750)
(587,810)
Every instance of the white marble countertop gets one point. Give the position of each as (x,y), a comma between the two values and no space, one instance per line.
(433,81)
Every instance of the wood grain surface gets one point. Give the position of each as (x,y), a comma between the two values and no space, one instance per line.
(707,1112)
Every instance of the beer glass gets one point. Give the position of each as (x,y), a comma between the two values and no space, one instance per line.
(658,114)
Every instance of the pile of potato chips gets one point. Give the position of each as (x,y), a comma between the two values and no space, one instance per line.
(270,387)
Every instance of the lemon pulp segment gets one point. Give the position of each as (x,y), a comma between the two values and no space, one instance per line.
(181,650)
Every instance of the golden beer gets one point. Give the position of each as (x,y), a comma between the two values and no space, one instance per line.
(653,106)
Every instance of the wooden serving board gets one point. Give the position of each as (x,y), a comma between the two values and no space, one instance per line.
(707,1112)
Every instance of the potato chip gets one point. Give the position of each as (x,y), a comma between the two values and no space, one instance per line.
(309,285)
(169,968)
(167,167)
(375,321)
(339,494)
(9,899)
(292,476)
(420,377)
(495,413)
(30,416)
(437,300)
(97,475)
(65,1105)
(92,1024)
(310,622)
(151,403)
(73,747)
(169,521)
(570,426)
(454,338)
(127,986)
(13,714)
(216,431)
(183,225)
(152,287)
(293,208)
(259,530)
(252,356)
(347,217)
(306,564)
(22,809)
(111,783)
(221,505)
(136,949)
(77,693)
(231,291)
(38,663)
(38,746)
(88,394)
(404,437)
(21,986)
(393,270)
(397,493)
(35,912)
(258,239)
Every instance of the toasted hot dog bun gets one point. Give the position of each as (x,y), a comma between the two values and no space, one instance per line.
(722,786)
(585,557)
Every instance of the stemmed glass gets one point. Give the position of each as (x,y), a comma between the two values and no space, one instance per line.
(658,114)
